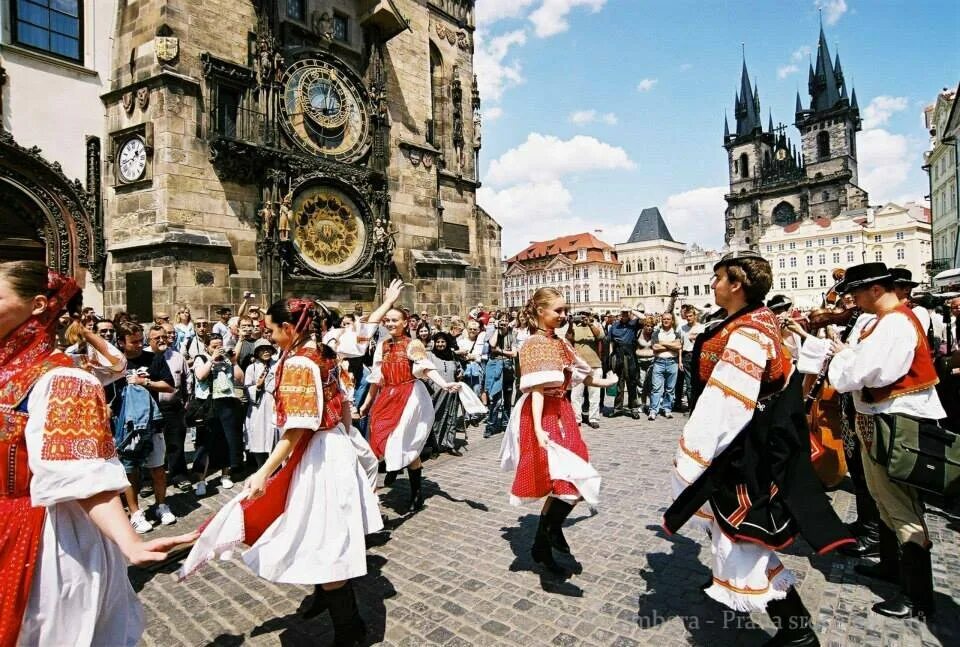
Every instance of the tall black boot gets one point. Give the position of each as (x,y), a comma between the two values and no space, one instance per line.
(915,600)
(888,568)
(868,540)
(556,513)
(416,492)
(390,478)
(319,604)
(793,622)
(348,627)
(541,551)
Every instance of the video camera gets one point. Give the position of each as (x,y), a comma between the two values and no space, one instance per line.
(932,301)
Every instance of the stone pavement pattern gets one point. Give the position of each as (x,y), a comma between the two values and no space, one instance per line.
(459,572)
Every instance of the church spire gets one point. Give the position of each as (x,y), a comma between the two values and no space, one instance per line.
(726,128)
(770,123)
(747,109)
(823,84)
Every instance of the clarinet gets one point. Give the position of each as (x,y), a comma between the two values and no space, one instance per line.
(814,392)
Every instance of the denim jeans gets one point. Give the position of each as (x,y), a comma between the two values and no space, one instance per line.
(664,382)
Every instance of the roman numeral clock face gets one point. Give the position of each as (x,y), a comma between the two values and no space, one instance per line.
(132,160)
(325,110)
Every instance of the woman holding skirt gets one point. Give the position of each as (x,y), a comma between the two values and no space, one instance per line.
(401,410)
(543,443)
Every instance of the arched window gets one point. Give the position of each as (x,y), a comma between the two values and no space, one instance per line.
(745,224)
(784,214)
(653,288)
(652,265)
(823,144)
(744,166)
(434,127)
(629,291)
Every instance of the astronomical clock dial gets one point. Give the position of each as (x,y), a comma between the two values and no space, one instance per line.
(325,110)
(329,232)
(132,160)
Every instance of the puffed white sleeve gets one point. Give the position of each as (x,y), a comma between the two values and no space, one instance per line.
(69,442)
(725,406)
(355,341)
(880,359)
(813,353)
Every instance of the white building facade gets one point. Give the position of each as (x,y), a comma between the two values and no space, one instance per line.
(942,120)
(696,277)
(650,264)
(804,254)
(581,267)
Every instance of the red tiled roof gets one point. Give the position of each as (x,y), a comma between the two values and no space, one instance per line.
(565,245)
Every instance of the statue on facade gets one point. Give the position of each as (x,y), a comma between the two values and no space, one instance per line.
(286,214)
(384,242)
(266,218)
(322,24)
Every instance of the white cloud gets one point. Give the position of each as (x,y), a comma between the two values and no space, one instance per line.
(832,9)
(646,85)
(492,114)
(786,70)
(550,18)
(696,216)
(581,117)
(885,163)
(494,72)
(543,158)
(491,11)
(880,110)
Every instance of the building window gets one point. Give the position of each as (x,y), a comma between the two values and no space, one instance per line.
(782,262)
(456,237)
(769,248)
(577,293)
(836,257)
(51,26)
(823,145)
(878,256)
(706,288)
(809,243)
(793,261)
(653,288)
(228,108)
(629,290)
(793,245)
(640,290)
(793,282)
(877,238)
(581,254)
(340,28)
(823,280)
(696,290)
(744,166)
(899,235)
(901,254)
(825,196)
(809,280)
(850,256)
(809,260)
(295,9)
(780,247)
(822,258)
(745,225)
(836,240)
(783,283)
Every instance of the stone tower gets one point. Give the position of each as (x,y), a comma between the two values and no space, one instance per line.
(771,182)
(316,147)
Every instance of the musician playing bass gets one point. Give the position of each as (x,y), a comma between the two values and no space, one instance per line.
(889,371)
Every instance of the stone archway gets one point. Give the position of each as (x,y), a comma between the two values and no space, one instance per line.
(45,216)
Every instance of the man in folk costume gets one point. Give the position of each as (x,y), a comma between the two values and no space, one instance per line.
(889,371)
(742,470)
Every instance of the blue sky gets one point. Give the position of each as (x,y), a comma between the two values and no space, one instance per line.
(595,109)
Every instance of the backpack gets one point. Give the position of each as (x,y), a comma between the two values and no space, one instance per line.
(134,426)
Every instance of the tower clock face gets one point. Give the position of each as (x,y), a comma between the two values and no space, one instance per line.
(132,160)
(325,110)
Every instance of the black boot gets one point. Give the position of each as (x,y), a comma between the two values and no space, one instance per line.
(319,604)
(868,541)
(416,493)
(793,622)
(915,600)
(348,627)
(556,513)
(541,551)
(888,568)
(390,478)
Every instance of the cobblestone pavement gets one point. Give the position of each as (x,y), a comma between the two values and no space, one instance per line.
(459,572)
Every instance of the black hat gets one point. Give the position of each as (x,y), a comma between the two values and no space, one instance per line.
(731,258)
(903,277)
(862,275)
(780,302)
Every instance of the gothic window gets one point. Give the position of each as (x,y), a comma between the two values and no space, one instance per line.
(744,166)
(629,291)
(434,126)
(784,214)
(640,290)
(295,9)
(652,265)
(823,144)
(52,27)
(745,224)
(736,167)
(653,288)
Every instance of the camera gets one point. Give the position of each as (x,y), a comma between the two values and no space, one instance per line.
(248,295)
(936,302)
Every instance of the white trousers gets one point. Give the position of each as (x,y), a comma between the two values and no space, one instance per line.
(576,397)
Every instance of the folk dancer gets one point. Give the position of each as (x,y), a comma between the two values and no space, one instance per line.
(543,445)
(889,372)
(64,537)
(306,523)
(742,470)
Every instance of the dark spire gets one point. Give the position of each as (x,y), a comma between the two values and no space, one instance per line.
(799,105)
(747,109)
(853,100)
(823,86)
(726,128)
(770,123)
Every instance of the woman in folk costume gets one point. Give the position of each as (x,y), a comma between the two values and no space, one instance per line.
(543,442)
(447,408)
(401,410)
(64,537)
(305,524)
(742,471)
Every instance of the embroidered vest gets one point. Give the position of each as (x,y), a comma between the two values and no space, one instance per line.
(397,368)
(921,375)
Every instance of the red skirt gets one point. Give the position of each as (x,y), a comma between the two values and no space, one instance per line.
(386,412)
(532,479)
(21,528)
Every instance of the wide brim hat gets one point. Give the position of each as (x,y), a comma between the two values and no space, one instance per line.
(263,343)
(731,258)
(902,276)
(780,302)
(863,275)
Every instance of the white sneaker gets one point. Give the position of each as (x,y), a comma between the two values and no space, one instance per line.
(652,416)
(166,517)
(200,489)
(668,414)
(139,522)
(225,482)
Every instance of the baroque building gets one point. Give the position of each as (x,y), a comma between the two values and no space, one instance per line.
(696,277)
(651,261)
(942,120)
(316,147)
(774,183)
(581,267)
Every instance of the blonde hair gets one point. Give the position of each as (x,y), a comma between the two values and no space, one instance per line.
(540,299)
